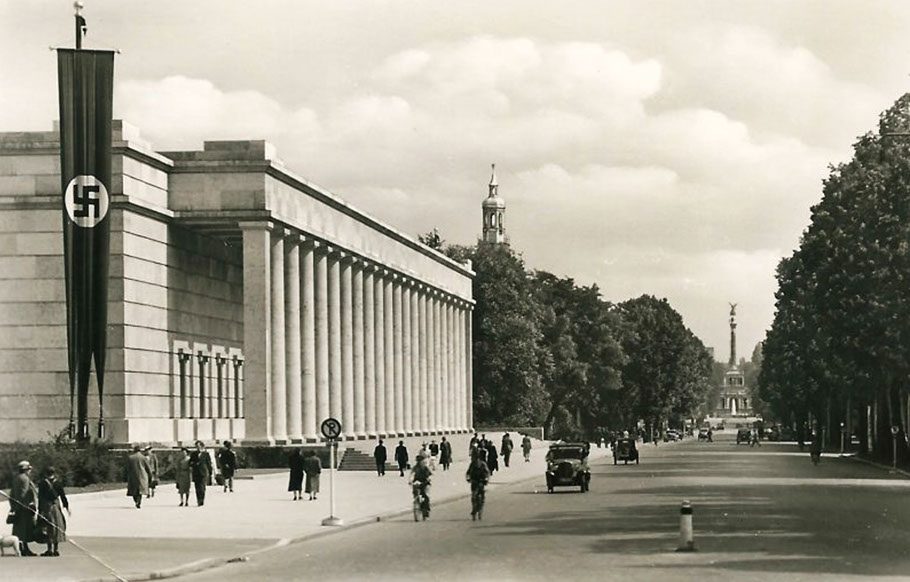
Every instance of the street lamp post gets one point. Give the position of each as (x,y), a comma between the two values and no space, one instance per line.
(894,431)
(842,432)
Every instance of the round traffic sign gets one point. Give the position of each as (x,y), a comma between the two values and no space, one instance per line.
(331,428)
(895,429)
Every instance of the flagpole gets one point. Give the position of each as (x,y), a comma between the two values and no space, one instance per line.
(80,23)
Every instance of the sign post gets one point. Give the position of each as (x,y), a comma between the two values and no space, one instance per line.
(331,430)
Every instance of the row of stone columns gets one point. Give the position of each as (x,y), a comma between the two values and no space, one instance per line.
(327,333)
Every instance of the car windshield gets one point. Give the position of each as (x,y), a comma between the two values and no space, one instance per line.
(567,453)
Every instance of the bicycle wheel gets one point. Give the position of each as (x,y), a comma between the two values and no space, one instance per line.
(417,508)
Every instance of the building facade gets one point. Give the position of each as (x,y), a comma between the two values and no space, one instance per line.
(245,303)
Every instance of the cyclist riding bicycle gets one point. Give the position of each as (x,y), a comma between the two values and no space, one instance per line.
(420,482)
(478,475)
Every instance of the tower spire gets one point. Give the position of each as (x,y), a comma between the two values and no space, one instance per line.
(494,210)
(732,361)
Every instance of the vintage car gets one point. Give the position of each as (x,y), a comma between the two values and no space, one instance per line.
(743,435)
(624,450)
(567,465)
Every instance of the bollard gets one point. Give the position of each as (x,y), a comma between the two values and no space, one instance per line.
(686,539)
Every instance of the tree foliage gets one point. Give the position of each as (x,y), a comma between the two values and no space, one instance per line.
(840,340)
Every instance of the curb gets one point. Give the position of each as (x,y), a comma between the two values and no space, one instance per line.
(212,563)
(879,465)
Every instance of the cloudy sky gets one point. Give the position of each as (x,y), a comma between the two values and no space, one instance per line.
(671,148)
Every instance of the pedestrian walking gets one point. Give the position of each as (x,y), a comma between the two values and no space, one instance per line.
(401,457)
(754,438)
(492,457)
(445,454)
(153,464)
(23,501)
(295,480)
(505,448)
(51,503)
(312,466)
(526,448)
(380,456)
(201,466)
(227,464)
(183,475)
(815,449)
(434,454)
(138,476)
(475,442)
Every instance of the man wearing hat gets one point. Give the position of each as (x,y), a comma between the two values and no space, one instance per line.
(138,476)
(23,501)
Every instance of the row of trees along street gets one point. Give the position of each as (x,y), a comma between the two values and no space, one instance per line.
(839,348)
(548,352)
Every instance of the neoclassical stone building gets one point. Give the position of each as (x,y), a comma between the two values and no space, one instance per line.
(245,303)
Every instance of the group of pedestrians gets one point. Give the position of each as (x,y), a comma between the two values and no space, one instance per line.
(37,509)
(304,466)
(190,467)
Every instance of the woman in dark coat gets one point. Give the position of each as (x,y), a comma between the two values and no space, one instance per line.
(24,501)
(51,503)
(312,466)
(183,476)
(492,457)
(295,464)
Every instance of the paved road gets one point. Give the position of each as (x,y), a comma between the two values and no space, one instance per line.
(760,514)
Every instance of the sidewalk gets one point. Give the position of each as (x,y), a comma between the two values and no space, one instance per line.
(164,539)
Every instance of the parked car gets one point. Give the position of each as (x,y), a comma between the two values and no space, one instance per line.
(703,434)
(743,435)
(624,450)
(567,465)
(672,435)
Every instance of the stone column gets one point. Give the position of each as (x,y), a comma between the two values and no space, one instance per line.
(347,346)
(358,352)
(398,333)
(388,320)
(321,295)
(279,380)
(460,367)
(308,340)
(433,308)
(257,335)
(422,360)
(379,329)
(452,375)
(369,350)
(469,353)
(292,357)
(415,359)
(446,309)
(335,363)
(407,406)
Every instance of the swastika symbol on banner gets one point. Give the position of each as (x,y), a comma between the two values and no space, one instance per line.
(86,201)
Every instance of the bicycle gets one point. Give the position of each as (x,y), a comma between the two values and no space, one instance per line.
(421,501)
(478,496)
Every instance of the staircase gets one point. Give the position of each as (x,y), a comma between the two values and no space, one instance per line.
(354,460)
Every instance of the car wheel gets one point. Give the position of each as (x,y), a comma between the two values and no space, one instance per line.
(636,460)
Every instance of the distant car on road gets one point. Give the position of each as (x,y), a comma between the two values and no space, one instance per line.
(703,434)
(743,435)
(672,435)
(624,450)
(567,465)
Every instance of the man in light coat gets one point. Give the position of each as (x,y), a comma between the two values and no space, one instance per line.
(138,476)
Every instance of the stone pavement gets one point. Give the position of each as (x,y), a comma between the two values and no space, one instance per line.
(163,539)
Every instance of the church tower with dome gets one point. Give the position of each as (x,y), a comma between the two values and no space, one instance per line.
(494,210)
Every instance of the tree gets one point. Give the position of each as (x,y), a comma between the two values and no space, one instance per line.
(509,359)
(668,370)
